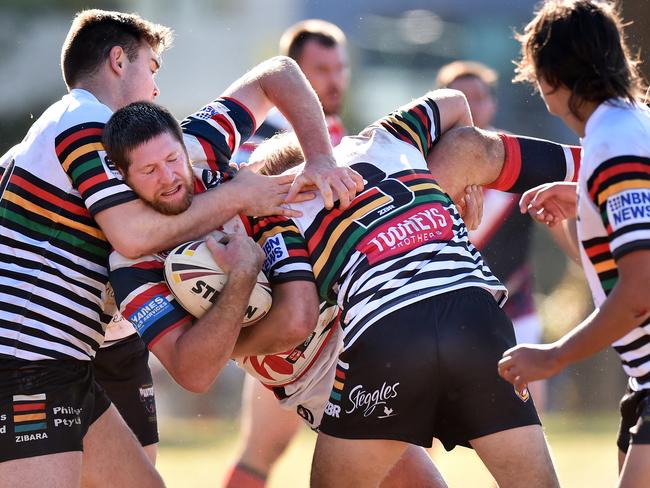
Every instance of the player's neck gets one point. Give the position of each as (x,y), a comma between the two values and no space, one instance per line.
(102,91)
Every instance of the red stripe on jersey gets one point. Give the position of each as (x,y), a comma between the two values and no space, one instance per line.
(63,145)
(245,108)
(151,264)
(90,182)
(53,199)
(511,165)
(576,152)
(613,171)
(335,213)
(424,119)
(227,126)
(209,153)
(597,249)
(299,252)
(145,296)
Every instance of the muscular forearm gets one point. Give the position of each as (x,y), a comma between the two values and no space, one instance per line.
(202,351)
(291,319)
(134,229)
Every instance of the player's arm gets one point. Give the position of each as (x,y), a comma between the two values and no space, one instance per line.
(618,189)
(472,156)
(294,313)
(293,316)
(280,82)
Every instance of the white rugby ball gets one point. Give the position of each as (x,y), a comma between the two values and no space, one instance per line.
(196,279)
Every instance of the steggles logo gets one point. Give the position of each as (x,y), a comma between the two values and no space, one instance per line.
(362,399)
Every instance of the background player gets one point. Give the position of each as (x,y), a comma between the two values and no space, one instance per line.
(320,49)
(575,52)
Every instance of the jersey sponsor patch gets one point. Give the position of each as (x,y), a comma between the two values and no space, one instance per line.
(628,207)
(275,250)
(209,111)
(109,166)
(150,312)
(424,223)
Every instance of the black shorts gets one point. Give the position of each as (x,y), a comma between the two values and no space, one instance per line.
(429,370)
(46,407)
(635,419)
(123,372)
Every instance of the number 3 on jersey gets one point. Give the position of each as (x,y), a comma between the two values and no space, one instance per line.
(391,194)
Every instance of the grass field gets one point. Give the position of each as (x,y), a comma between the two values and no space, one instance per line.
(196,453)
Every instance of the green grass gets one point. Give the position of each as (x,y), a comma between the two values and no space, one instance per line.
(197,453)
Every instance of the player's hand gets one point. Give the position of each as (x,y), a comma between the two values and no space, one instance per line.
(239,256)
(551,203)
(529,362)
(330,180)
(471,206)
(265,195)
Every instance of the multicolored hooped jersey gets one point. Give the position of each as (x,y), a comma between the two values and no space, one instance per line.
(614,212)
(401,239)
(53,256)
(145,299)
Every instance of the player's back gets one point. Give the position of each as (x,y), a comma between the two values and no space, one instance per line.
(401,239)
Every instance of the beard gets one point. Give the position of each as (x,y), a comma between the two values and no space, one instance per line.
(172,208)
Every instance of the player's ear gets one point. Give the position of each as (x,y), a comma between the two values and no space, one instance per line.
(116,59)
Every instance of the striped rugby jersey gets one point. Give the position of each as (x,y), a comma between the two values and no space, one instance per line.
(144,297)
(614,212)
(53,256)
(402,239)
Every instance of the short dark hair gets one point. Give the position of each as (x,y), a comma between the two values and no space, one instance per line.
(579,44)
(132,126)
(95,32)
(295,37)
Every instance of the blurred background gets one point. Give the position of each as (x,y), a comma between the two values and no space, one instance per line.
(396,49)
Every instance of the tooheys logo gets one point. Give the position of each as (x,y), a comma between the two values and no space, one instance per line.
(420,225)
(211,294)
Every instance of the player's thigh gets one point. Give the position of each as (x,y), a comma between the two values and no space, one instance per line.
(517,457)
(114,457)
(636,468)
(414,469)
(267,428)
(122,370)
(62,470)
(353,463)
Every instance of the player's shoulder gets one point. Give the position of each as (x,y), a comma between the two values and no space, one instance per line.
(82,109)
(616,129)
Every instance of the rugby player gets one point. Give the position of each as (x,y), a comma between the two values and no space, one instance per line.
(320,49)
(62,204)
(575,52)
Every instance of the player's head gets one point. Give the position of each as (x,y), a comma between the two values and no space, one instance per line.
(477,82)
(319,48)
(278,154)
(578,45)
(145,143)
(125,45)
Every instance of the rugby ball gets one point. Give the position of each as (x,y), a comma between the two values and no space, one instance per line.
(196,280)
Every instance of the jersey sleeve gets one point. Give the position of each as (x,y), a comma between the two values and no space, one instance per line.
(530,162)
(143,297)
(82,156)
(285,249)
(417,123)
(620,189)
(214,133)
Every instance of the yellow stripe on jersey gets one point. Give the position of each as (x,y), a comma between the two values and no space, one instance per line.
(618,187)
(416,137)
(54,217)
(81,151)
(342,226)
